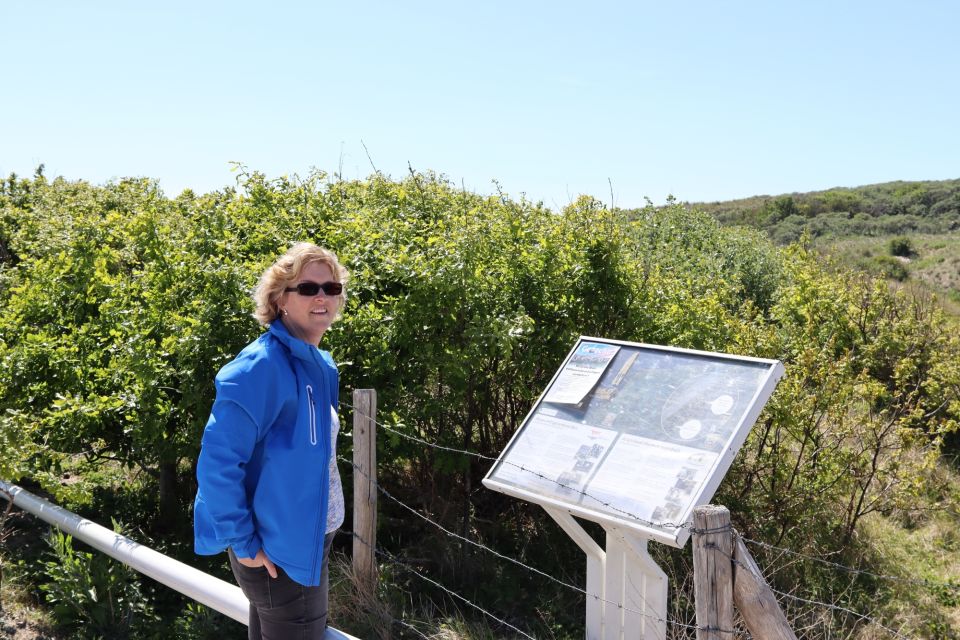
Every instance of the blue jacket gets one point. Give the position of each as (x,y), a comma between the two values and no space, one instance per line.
(263,471)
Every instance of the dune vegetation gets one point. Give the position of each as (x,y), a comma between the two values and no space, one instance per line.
(119,303)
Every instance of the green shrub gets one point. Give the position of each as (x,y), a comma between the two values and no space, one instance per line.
(92,595)
(197,622)
(892,268)
(901,246)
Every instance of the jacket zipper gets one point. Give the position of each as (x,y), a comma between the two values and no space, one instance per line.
(313,416)
(320,530)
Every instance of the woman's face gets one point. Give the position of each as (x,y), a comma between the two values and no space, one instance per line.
(308,317)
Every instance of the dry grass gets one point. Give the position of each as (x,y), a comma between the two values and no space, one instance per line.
(925,549)
(395,614)
(934,269)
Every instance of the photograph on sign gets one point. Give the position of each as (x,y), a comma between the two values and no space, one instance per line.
(635,432)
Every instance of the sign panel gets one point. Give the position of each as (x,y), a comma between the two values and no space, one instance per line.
(635,434)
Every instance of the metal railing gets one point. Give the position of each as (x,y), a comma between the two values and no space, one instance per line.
(212,592)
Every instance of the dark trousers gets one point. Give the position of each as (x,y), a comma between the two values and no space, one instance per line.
(281,609)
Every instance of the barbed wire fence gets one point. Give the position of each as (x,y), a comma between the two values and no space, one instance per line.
(809,614)
(498,555)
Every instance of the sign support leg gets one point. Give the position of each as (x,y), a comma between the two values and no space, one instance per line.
(596,559)
(615,581)
(644,591)
(626,589)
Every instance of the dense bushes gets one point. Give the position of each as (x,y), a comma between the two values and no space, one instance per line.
(119,304)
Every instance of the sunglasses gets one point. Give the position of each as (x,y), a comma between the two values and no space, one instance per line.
(311,289)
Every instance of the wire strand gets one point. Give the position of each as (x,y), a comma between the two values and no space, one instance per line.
(395,560)
(350,534)
(484,547)
(827,605)
(662,525)
(837,565)
(411,627)
(658,525)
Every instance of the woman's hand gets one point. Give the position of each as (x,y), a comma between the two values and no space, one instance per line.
(260,560)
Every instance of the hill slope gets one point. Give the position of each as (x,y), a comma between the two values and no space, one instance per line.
(872,210)
(908,232)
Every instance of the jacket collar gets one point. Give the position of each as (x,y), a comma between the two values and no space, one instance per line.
(297,347)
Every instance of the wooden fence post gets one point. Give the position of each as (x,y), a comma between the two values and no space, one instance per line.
(759,607)
(713,572)
(365,490)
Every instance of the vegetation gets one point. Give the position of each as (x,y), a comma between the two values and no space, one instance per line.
(119,305)
(906,232)
(885,209)
(90,591)
(901,246)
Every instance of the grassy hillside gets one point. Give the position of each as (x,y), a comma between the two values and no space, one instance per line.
(932,265)
(907,232)
(889,208)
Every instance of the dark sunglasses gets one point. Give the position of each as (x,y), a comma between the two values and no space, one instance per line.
(311,289)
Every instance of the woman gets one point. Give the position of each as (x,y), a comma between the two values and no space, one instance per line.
(269,490)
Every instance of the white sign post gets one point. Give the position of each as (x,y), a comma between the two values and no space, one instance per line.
(633,437)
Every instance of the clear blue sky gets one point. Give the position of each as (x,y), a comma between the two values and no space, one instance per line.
(703,100)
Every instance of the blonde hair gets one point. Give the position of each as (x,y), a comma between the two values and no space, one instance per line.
(285,271)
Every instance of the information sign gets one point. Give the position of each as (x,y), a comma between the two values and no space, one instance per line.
(635,435)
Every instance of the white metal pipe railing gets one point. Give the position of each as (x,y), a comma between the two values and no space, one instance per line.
(217,594)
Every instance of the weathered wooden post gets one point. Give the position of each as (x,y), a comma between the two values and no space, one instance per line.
(756,602)
(365,490)
(713,572)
